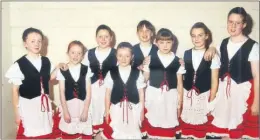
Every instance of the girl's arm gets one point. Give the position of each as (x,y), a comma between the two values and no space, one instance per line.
(15,103)
(84,115)
(107,103)
(62,66)
(180,92)
(214,84)
(63,101)
(255,73)
(210,53)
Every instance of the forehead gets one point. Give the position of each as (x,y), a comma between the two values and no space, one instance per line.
(103,32)
(235,17)
(143,28)
(124,50)
(34,35)
(75,47)
(197,31)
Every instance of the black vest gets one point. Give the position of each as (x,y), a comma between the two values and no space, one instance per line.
(107,64)
(203,74)
(157,72)
(75,89)
(239,67)
(117,93)
(138,55)
(31,86)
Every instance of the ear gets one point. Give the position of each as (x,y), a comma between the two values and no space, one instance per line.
(244,25)
(24,44)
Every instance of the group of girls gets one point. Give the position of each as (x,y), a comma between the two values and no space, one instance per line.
(145,90)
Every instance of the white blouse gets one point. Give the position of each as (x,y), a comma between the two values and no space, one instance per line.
(198,55)
(145,49)
(101,56)
(166,61)
(124,74)
(232,48)
(75,72)
(15,75)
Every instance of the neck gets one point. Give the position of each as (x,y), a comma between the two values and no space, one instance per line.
(199,48)
(123,67)
(72,64)
(145,44)
(33,55)
(103,49)
(237,39)
(165,54)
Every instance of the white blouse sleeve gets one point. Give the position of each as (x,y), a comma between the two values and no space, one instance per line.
(85,61)
(52,67)
(14,74)
(215,63)
(254,54)
(59,76)
(181,70)
(140,81)
(108,81)
(89,73)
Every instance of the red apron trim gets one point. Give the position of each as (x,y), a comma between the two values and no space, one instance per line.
(125,102)
(228,83)
(44,96)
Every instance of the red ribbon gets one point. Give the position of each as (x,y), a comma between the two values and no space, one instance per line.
(75,93)
(189,95)
(125,100)
(197,91)
(101,79)
(164,82)
(44,96)
(228,83)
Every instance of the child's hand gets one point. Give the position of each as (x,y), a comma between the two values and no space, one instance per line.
(181,61)
(210,53)
(147,60)
(141,67)
(84,116)
(67,118)
(255,109)
(107,118)
(17,119)
(63,66)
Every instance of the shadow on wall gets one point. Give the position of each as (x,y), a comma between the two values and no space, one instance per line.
(249,26)
(44,52)
(113,42)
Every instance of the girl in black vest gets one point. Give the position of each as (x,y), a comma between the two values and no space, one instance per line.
(30,77)
(236,113)
(200,84)
(124,98)
(75,95)
(146,34)
(100,60)
(165,88)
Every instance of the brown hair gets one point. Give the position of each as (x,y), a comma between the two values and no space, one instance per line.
(76,42)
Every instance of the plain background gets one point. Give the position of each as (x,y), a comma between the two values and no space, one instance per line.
(63,22)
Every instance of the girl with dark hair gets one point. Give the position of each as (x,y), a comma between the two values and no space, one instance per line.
(163,95)
(200,84)
(100,60)
(236,112)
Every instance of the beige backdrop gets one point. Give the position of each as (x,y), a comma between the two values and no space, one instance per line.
(63,22)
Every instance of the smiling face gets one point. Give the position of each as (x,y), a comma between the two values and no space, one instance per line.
(235,25)
(75,54)
(144,34)
(33,43)
(103,38)
(198,37)
(124,56)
